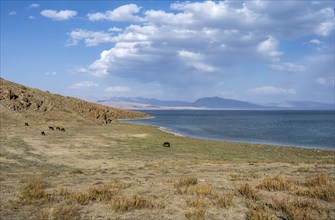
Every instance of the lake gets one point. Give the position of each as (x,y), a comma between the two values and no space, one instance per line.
(310,129)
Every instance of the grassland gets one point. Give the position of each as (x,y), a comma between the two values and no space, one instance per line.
(122,171)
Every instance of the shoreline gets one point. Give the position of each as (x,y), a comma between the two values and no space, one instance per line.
(166,130)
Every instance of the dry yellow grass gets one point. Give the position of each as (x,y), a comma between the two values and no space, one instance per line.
(248,192)
(34,189)
(298,209)
(129,203)
(278,183)
(258,211)
(186,181)
(198,214)
(224,200)
(319,186)
(196,203)
(204,190)
(320,180)
(65,212)
(326,193)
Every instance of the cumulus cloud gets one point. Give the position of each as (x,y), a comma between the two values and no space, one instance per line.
(122,13)
(268,48)
(289,67)
(315,42)
(115,29)
(272,90)
(84,85)
(195,60)
(58,15)
(181,45)
(91,38)
(118,89)
(320,46)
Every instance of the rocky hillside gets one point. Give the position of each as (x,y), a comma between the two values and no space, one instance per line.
(18,102)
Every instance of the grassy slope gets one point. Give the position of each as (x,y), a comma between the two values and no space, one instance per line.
(20,104)
(92,171)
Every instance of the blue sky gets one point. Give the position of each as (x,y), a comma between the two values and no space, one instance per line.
(258,51)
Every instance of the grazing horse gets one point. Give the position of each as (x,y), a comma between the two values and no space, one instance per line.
(62,129)
(42,133)
(26,124)
(166,144)
(58,128)
(51,128)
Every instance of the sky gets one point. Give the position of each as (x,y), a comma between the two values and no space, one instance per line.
(257,51)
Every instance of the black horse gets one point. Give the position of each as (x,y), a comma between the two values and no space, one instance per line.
(166,144)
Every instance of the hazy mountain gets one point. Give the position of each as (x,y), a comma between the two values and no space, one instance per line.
(202,103)
(147,101)
(221,103)
(303,105)
(210,103)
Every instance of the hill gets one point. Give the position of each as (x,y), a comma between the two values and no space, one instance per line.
(217,102)
(207,103)
(202,103)
(18,103)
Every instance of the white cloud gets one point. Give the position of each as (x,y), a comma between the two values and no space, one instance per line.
(84,85)
(90,38)
(189,55)
(174,47)
(315,42)
(271,90)
(195,60)
(268,48)
(59,15)
(31,17)
(289,67)
(12,13)
(122,13)
(320,46)
(118,89)
(34,5)
(115,29)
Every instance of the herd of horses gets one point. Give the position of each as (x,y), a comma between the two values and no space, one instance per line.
(50,128)
(165,144)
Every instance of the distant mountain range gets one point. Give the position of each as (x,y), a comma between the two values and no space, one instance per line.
(210,103)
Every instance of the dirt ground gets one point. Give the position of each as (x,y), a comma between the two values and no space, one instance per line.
(121,171)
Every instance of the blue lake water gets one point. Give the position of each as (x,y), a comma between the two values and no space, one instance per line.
(310,129)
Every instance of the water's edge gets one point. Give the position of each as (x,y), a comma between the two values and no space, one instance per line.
(170,131)
(179,132)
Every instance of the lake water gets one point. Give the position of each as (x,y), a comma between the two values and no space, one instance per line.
(310,129)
